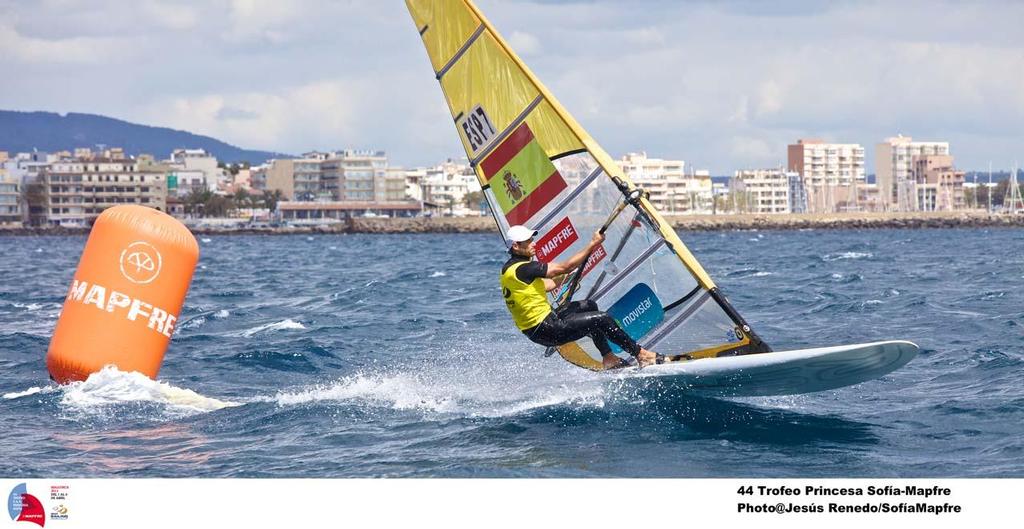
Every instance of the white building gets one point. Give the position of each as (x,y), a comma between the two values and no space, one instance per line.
(671,189)
(765,190)
(445,187)
(25,167)
(187,164)
(183,182)
(831,173)
(894,169)
(10,196)
(78,189)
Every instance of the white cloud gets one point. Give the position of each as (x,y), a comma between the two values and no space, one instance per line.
(524,44)
(318,115)
(180,17)
(267,20)
(725,84)
(80,50)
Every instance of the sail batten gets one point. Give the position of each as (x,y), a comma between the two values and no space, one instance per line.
(462,51)
(539,167)
(507,131)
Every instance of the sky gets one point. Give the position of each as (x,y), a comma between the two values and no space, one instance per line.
(723,85)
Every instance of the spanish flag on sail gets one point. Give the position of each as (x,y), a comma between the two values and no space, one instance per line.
(522,177)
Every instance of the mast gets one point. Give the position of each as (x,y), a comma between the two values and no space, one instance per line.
(1013,195)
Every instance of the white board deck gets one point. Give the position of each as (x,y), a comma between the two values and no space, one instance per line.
(785,372)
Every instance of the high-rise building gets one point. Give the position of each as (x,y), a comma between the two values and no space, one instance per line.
(831,173)
(894,167)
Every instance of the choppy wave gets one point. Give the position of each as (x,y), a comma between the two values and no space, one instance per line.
(351,359)
(284,325)
(847,255)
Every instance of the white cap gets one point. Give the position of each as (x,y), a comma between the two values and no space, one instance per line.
(520,233)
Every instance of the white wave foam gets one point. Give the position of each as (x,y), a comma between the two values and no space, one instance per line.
(198,321)
(31,391)
(204,239)
(221,314)
(400,392)
(288,324)
(847,255)
(438,274)
(111,386)
(481,397)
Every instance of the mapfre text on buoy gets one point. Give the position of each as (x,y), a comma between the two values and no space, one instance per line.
(132,309)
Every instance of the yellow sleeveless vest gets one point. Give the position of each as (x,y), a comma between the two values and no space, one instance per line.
(528,303)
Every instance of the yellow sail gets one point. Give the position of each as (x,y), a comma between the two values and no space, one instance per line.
(539,167)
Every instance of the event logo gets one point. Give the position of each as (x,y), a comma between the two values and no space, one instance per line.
(140,262)
(59,512)
(24,507)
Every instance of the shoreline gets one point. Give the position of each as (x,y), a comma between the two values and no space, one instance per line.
(800,221)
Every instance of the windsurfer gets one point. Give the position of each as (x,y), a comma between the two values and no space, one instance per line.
(524,282)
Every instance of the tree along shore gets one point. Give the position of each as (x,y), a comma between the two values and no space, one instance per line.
(808,221)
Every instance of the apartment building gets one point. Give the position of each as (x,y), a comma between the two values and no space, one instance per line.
(938,186)
(671,190)
(831,173)
(765,190)
(348,175)
(10,199)
(77,189)
(894,169)
(193,170)
(445,187)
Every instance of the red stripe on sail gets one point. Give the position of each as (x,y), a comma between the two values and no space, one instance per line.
(535,201)
(506,151)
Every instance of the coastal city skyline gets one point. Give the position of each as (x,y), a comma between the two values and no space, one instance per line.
(644,76)
(70,188)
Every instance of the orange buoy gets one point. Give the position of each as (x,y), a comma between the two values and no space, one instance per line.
(125,297)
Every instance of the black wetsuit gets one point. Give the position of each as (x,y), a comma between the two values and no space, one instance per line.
(574,321)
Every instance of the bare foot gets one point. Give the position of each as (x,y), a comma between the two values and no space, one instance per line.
(646,358)
(611,361)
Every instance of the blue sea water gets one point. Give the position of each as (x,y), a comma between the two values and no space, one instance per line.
(392,355)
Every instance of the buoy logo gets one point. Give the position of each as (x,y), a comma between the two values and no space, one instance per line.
(24,507)
(141,262)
